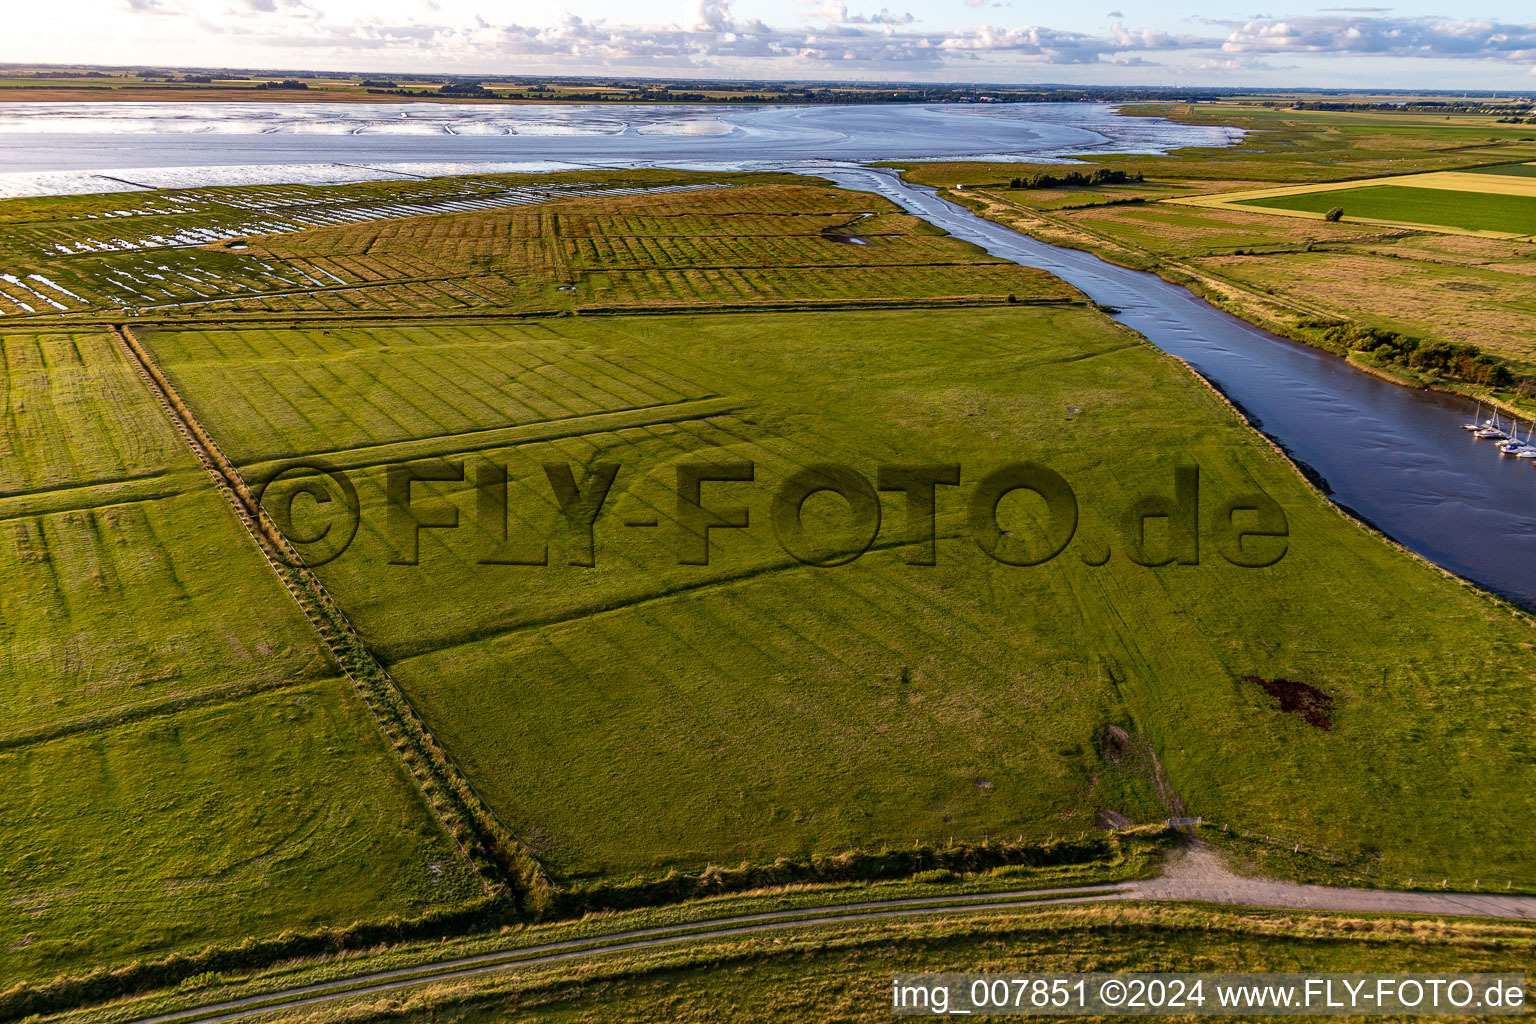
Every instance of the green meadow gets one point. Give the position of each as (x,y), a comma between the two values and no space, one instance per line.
(182,763)
(243,818)
(758,707)
(628,693)
(1526,170)
(1475,211)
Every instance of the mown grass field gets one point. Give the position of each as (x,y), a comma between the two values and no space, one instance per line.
(757,707)
(185,737)
(213,823)
(1471,210)
(845,973)
(182,764)
(120,597)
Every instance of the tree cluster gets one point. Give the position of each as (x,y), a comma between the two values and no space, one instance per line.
(1449,360)
(1098,176)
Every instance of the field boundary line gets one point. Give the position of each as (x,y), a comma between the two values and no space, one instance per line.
(491,316)
(148,709)
(496,857)
(516,435)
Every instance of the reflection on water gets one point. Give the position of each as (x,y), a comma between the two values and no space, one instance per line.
(52,148)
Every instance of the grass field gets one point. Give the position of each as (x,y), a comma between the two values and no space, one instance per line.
(758,707)
(1198,221)
(845,973)
(1523,170)
(1476,212)
(216,822)
(192,765)
(182,763)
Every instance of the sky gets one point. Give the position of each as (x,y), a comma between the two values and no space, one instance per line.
(1472,44)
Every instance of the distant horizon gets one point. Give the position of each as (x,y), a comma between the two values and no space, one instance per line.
(1406,45)
(746,82)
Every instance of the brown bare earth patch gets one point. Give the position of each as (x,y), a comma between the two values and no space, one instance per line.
(1114,743)
(1297,698)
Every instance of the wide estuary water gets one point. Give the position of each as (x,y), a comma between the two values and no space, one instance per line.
(1394,456)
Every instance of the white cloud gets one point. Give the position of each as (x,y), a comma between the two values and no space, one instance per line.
(836,12)
(831,40)
(1412,37)
(710,37)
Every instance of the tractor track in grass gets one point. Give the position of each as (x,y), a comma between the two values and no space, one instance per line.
(1194,874)
(487,846)
(86,319)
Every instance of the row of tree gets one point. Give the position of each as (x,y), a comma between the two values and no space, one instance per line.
(1098,176)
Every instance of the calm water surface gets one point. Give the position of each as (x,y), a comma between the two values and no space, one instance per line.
(48,148)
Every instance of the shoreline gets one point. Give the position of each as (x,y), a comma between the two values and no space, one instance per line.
(1216,293)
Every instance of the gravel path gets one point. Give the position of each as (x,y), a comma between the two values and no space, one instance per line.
(1197,873)
(1194,873)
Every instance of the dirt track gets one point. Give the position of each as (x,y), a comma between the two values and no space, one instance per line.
(1198,874)
(1193,874)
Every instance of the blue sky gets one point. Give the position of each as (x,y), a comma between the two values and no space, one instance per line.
(1409,45)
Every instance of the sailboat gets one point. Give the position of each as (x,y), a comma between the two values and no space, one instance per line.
(1491,428)
(1527,450)
(1476,423)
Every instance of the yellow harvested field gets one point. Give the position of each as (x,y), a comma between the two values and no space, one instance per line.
(1451,181)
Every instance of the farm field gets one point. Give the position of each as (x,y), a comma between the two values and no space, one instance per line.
(632,700)
(129,590)
(624,693)
(217,822)
(1212,219)
(183,764)
(1505,214)
(1523,170)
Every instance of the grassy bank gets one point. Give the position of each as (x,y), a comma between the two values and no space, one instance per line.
(845,973)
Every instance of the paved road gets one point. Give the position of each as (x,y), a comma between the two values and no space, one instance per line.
(1192,874)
